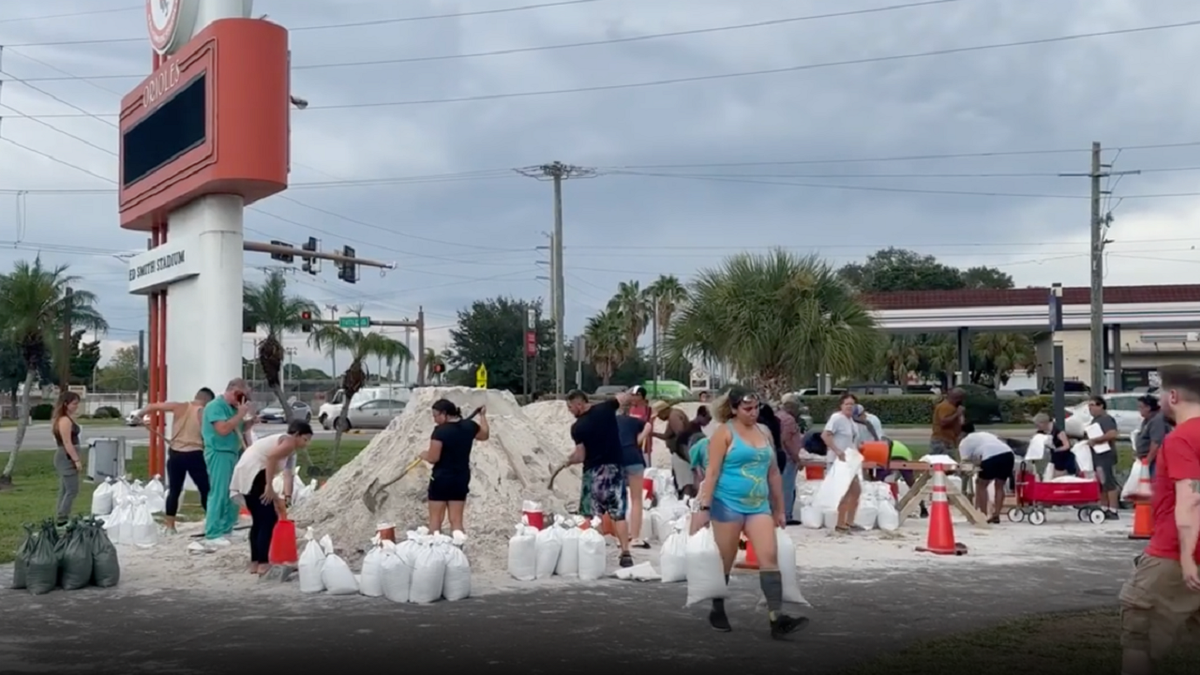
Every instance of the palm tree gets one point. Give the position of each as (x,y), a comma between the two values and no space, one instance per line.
(632,306)
(667,294)
(36,304)
(432,361)
(998,355)
(903,355)
(607,343)
(361,346)
(776,318)
(269,308)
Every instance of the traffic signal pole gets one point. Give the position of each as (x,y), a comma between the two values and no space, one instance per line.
(418,325)
(260,247)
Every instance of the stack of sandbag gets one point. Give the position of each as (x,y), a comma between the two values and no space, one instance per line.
(79,557)
(570,546)
(423,568)
(321,569)
(669,508)
(300,491)
(867,514)
(131,522)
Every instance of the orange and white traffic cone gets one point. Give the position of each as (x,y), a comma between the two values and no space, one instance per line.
(750,562)
(1143,517)
(941,528)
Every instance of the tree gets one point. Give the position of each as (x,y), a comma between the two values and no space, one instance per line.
(631,306)
(269,308)
(121,372)
(986,277)
(34,305)
(777,318)
(491,332)
(84,357)
(667,294)
(361,346)
(896,269)
(606,342)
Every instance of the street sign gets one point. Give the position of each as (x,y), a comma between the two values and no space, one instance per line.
(354,322)
(530,344)
(481,377)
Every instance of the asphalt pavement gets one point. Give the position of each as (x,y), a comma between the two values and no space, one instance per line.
(612,626)
(39,436)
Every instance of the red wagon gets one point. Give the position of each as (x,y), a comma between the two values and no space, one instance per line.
(1034,495)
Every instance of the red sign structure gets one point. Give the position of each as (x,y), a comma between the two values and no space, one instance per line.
(211,119)
(530,343)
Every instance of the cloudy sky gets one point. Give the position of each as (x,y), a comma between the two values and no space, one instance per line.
(713,127)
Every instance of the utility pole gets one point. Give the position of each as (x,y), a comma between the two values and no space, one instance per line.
(557,172)
(408,362)
(64,368)
(333,310)
(141,369)
(1098,228)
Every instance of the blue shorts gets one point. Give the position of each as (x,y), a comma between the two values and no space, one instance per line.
(632,470)
(721,512)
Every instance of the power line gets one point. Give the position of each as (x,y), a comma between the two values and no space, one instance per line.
(70,15)
(336,26)
(728,76)
(571,45)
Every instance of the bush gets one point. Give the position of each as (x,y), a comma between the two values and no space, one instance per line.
(106,412)
(42,412)
(913,409)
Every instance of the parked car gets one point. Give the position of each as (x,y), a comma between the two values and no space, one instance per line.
(274,415)
(373,414)
(609,390)
(1122,407)
(133,419)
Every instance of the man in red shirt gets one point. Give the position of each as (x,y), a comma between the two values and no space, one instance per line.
(1162,599)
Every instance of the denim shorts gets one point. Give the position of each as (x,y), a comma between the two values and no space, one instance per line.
(632,470)
(721,512)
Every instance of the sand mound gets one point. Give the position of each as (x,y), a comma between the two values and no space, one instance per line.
(512,466)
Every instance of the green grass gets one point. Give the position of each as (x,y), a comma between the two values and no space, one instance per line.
(1076,643)
(35,489)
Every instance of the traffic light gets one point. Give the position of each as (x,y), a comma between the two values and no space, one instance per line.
(310,265)
(282,257)
(306,322)
(439,368)
(347,270)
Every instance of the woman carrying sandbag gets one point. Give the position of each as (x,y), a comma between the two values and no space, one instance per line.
(450,454)
(742,493)
(67,463)
(253,479)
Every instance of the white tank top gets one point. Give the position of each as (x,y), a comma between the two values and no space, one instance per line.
(252,461)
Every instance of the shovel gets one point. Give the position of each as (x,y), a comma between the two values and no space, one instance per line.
(376,495)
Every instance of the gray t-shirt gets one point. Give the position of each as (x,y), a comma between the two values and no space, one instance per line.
(846,434)
(1107,424)
(1153,431)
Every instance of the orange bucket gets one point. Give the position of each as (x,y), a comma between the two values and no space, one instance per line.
(814,472)
(876,452)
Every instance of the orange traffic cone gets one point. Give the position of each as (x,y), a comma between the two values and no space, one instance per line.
(941,528)
(751,560)
(1143,517)
(283,544)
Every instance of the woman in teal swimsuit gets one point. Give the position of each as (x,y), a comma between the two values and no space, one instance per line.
(743,493)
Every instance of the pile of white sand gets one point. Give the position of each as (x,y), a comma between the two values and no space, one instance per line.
(514,465)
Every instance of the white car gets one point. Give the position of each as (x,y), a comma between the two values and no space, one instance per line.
(1122,407)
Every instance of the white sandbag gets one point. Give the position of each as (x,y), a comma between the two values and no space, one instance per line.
(593,553)
(337,577)
(371,580)
(119,523)
(646,531)
(1132,487)
(639,572)
(568,559)
(143,530)
(954,484)
(457,582)
(867,513)
(672,559)
(810,517)
(888,518)
(829,519)
(806,491)
(705,571)
(660,524)
(326,543)
(1083,457)
(102,499)
(522,554)
(395,575)
(1036,451)
(120,491)
(1048,472)
(548,547)
(838,477)
(786,552)
(312,561)
(429,571)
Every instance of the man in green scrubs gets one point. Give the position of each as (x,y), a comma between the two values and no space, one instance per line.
(224,427)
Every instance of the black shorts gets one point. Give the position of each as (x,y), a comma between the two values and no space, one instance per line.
(449,488)
(1064,460)
(999,467)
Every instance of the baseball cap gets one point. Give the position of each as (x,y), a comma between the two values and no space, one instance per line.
(637,390)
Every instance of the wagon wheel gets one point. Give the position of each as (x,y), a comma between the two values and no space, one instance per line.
(1016,514)
(1037,517)
(1083,515)
(1096,516)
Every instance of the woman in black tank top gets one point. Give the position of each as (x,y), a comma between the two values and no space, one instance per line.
(67,462)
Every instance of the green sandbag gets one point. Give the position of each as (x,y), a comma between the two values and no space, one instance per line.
(106,569)
(41,568)
(75,557)
(22,558)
